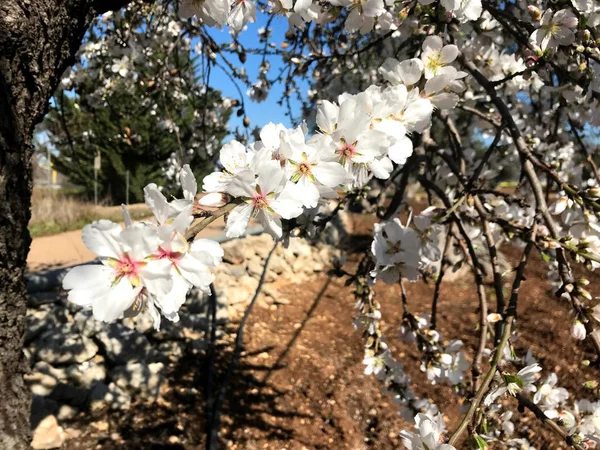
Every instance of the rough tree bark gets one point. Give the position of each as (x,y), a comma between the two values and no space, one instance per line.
(38,41)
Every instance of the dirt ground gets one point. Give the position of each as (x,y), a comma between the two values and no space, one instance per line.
(300,382)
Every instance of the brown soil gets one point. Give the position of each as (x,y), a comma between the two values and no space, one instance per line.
(300,382)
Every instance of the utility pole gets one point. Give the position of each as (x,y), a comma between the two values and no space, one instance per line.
(97,163)
(127,187)
(49,167)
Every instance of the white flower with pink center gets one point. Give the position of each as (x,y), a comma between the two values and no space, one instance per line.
(189,265)
(112,288)
(317,173)
(263,198)
(359,148)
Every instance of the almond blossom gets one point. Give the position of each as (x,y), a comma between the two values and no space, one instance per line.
(555,29)
(436,56)
(264,196)
(124,277)
(427,434)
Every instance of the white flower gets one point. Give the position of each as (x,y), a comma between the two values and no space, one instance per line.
(362,13)
(548,396)
(436,56)
(124,276)
(360,149)
(555,29)
(375,364)
(464,10)
(396,251)
(263,197)
(189,265)
(316,172)
(578,331)
(164,210)
(454,364)
(242,13)
(121,66)
(513,384)
(427,435)
(406,72)
(211,12)
(234,158)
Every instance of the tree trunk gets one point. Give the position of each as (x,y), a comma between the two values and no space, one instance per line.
(38,41)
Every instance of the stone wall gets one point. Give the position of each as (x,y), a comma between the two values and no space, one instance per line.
(79,364)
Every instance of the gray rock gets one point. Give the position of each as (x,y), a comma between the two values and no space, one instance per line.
(48,434)
(103,395)
(64,345)
(198,345)
(170,351)
(279,265)
(122,345)
(235,270)
(142,323)
(86,323)
(44,318)
(236,252)
(138,379)
(261,244)
(87,373)
(66,412)
(44,378)
(196,301)
(256,267)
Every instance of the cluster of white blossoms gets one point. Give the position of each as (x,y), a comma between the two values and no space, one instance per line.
(364,16)
(288,173)
(145,266)
(404,252)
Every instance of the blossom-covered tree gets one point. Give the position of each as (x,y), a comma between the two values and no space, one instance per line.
(400,91)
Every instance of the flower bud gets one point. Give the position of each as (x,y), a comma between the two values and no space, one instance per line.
(446,359)
(534,12)
(578,330)
(559,206)
(214,200)
(583,282)
(553,244)
(584,293)
(494,317)
(590,384)
(246,122)
(593,192)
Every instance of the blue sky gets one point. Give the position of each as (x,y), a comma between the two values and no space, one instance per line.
(259,113)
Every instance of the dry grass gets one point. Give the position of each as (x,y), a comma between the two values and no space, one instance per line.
(53,212)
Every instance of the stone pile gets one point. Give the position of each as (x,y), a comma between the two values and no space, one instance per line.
(79,364)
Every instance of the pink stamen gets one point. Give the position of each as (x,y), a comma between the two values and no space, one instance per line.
(126,267)
(347,151)
(259,200)
(167,254)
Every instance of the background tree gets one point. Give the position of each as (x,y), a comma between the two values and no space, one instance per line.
(136,98)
